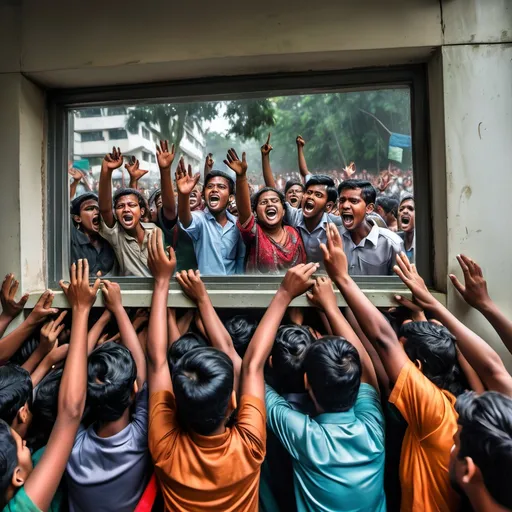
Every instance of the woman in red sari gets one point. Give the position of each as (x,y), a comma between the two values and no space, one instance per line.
(272,247)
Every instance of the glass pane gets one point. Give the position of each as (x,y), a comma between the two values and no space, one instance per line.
(319,144)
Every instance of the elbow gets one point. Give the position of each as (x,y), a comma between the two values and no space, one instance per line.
(72,409)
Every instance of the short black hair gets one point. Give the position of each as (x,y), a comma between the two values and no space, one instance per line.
(256,197)
(288,354)
(128,192)
(185,343)
(111,372)
(323,179)
(292,183)
(203,383)
(434,346)
(333,368)
(486,437)
(8,459)
(154,196)
(220,174)
(368,192)
(241,329)
(77,202)
(15,391)
(388,204)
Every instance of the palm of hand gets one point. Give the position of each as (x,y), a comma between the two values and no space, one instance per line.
(165,159)
(186,184)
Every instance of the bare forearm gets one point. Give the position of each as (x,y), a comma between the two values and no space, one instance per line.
(94,334)
(13,341)
(267,171)
(502,325)
(243,199)
(105,198)
(33,361)
(157,329)
(303,168)
(184,213)
(134,183)
(173,331)
(474,381)
(168,199)
(72,188)
(4,323)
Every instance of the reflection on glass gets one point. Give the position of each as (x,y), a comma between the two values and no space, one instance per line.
(298,162)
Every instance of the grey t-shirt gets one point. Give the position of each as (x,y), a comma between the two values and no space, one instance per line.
(105,474)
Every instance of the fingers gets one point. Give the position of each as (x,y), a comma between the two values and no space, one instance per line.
(406,303)
(96,286)
(243,156)
(335,235)
(463,265)
(14,289)
(325,251)
(6,285)
(72,272)
(172,253)
(268,139)
(48,300)
(310,269)
(64,286)
(60,318)
(79,272)
(197,176)
(457,284)
(21,303)
(58,330)
(85,270)
(404,272)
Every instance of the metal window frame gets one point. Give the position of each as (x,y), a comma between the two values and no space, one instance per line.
(60,131)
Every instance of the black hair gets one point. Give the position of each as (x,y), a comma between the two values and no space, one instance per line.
(220,174)
(154,196)
(185,343)
(203,383)
(288,353)
(15,391)
(25,351)
(333,368)
(241,330)
(111,372)
(406,197)
(434,346)
(77,202)
(292,183)
(368,192)
(128,192)
(256,197)
(486,437)
(323,179)
(388,204)
(8,459)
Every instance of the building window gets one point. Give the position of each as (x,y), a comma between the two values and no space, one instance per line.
(90,112)
(117,134)
(116,111)
(146,156)
(95,160)
(93,136)
(146,133)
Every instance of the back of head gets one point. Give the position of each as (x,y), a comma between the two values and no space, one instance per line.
(486,437)
(189,341)
(15,391)
(288,354)
(25,351)
(323,179)
(153,198)
(111,372)
(220,174)
(368,192)
(8,459)
(203,383)
(333,369)
(388,204)
(241,330)
(434,347)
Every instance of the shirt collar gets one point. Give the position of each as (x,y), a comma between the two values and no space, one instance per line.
(231,218)
(81,237)
(148,226)
(372,236)
(323,222)
(336,418)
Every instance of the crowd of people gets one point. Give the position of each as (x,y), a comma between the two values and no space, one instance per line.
(225,226)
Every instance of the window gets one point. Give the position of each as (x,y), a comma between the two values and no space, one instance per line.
(92,136)
(367,125)
(95,160)
(117,134)
(90,112)
(116,111)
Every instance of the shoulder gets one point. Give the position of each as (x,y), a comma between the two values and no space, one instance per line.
(390,236)
(148,225)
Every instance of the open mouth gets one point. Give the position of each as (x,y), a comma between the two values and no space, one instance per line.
(294,201)
(96,220)
(213,200)
(127,218)
(309,206)
(271,212)
(348,220)
(405,221)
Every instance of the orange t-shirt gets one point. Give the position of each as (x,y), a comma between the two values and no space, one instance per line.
(424,462)
(201,473)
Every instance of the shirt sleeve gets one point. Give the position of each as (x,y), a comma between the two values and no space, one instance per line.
(163,424)
(247,230)
(251,425)
(288,426)
(369,409)
(420,401)
(292,215)
(196,226)
(140,418)
(21,502)
(111,235)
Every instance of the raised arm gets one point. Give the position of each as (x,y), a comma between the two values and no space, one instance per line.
(374,325)
(303,168)
(13,341)
(135,173)
(243,195)
(162,267)
(193,286)
(185,183)
(46,476)
(165,158)
(113,302)
(10,308)
(486,362)
(173,330)
(110,163)
(208,166)
(268,177)
(95,332)
(296,282)
(474,292)
(77,176)
(56,355)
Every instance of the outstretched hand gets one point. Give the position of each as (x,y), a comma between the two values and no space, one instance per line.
(75,174)
(111,295)
(322,294)
(79,294)
(298,279)
(266,148)
(208,163)
(165,157)
(192,285)
(300,141)
(50,332)
(113,160)
(474,290)
(10,307)
(133,169)
(161,263)
(335,259)
(43,308)
(184,179)
(235,164)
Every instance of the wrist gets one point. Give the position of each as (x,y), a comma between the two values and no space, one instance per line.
(81,309)
(4,317)
(283,295)
(485,306)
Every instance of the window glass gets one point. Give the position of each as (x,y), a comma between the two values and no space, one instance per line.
(92,136)
(117,134)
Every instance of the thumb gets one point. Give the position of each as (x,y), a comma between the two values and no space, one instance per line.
(325,251)
(406,302)
(457,284)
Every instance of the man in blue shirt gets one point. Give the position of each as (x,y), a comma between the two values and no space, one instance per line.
(217,242)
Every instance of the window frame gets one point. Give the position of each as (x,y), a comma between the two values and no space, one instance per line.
(60,132)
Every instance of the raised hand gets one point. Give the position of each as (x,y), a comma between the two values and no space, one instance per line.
(300,141)
(141,318)
(43,308)
(113,160)
(75,174)
(111,295)
(79,294)
(335,259)
(192,285)
(298,279)
(165,157)
(133,169)
(11,308)
(322,294)
(417,313)
(409,275)
(161,264)
(235,164)
(266,148)
(58,353)
(474,290)
(50,332)
(184,179)
(208,163)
